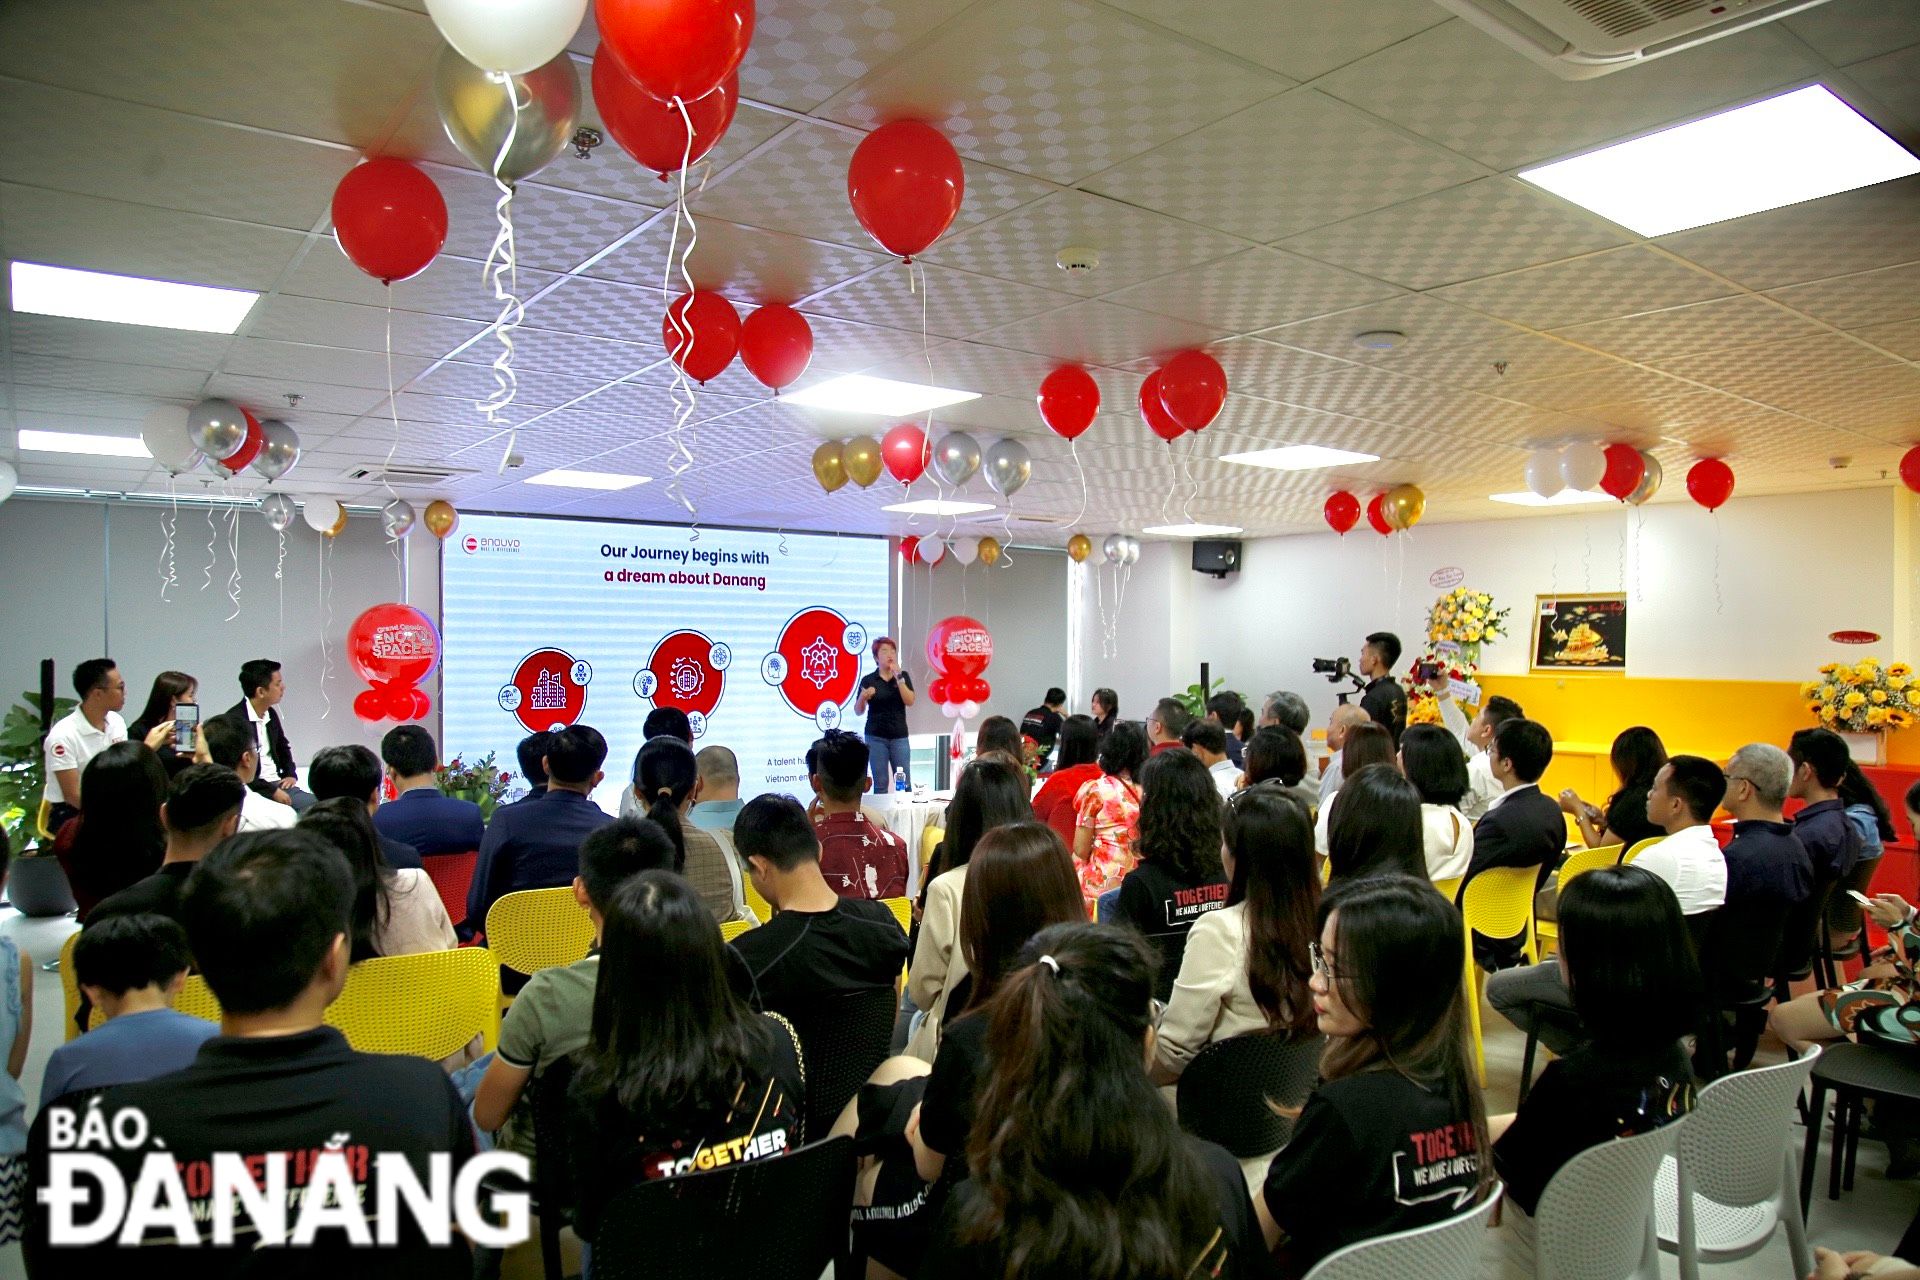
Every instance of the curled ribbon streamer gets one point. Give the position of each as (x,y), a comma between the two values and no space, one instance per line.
(1173,483)
(280,578)
(169,522)
(324,589)
(502,273)
(233,551)
(1623,557)
(1586,556)
(685,399)
(1193,486)
(1639,565)
(213,535)
(1073,447)
(1719,605)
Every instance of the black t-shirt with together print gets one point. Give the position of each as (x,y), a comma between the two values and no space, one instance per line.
(1163,907)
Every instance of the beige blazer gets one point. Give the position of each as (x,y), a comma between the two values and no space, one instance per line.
(1211,1000)
(937,961)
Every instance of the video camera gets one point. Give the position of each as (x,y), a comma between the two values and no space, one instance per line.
(1336,670)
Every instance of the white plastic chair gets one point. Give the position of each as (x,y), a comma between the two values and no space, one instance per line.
(1595,1219)
(1447,1250)
(1737,1175)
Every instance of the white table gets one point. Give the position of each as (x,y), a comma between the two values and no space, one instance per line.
(908,816)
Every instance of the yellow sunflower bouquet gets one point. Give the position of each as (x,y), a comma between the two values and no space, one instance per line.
(1863,697)
(1467,618)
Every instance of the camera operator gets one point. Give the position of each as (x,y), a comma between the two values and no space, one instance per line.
(1382,697)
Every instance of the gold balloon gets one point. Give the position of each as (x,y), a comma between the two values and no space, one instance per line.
(476,109)
(989,550)
(441,518)
(862,456)
(1403,506)
(828,467)
(339,526)
(1079,546)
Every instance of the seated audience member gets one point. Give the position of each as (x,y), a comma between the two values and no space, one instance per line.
(1686,792)
(1636,757)
(1524,828)
(532,753)
(1066,1038)
(1346,717)
(1104,706)
(1178,878)
(202,808)
(1377,827)
(1287,710)
(667,722)
(1475,737)
(1223,709)
(1867,811)
(1208,741)
(267,916)
(1246,966)
(679,1074)
(997,733)
(1075,763)
(258,714)
(1363,1160)
(1634,984)
(1275,754)
(859,857)
(80,735)
(1765,861)
(1244,724)
(395,913)
(1820,759)
(719,802)
(666,775)
(1165,723)
(552,1016)
(1809,1019)
(227,745)
(1431,759)
(1042,724)
(117,839)
(536,844)
(1364,744)
(130,968)
(419,814)
(170,689)
(1107,814)
(354,772)
(820,942)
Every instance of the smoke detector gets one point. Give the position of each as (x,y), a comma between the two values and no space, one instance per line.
(1379,339)
(1077,259)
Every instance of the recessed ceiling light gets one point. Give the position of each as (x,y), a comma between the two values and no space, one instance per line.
(1192,530)
(1379,339)
(562,478)
(1798,146)
(938,507)
(858,393)
(81,442)
(1299,457)
(95,295)
(1564,498)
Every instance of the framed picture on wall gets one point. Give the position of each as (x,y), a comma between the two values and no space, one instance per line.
(1580,633)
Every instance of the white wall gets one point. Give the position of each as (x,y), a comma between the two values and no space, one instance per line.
(1022,601)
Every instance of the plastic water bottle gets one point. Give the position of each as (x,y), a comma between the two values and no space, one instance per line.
(899,779)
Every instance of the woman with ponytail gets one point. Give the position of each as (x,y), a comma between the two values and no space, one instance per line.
(1076,1165)
(1395,1137)
(666,785)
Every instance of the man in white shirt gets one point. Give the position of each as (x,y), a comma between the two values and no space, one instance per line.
(1345,716)
(1682,801)
(227,744)
(1483,789)
(1207,740)
(82,734)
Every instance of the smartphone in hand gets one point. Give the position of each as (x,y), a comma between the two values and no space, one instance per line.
(186,718)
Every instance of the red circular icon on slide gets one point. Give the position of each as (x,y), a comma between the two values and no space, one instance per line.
(820,669)
(684,674)
(548,690)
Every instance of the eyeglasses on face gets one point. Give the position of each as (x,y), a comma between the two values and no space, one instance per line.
(1322,965)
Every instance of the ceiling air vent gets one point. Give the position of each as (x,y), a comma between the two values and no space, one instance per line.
(1581,39)
(417,477)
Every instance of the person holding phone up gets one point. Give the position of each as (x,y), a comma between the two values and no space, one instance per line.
(885,695)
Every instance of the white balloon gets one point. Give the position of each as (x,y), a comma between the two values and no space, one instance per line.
(9,480)
(1543,473)
(321,514)
(951,710)
(509,36)
(1581,466)
(164,432)
(966,550)
(969,709)
(931,551)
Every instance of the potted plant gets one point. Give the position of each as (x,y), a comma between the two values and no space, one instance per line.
(23,777)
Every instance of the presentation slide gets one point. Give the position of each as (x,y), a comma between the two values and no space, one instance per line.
(761,638)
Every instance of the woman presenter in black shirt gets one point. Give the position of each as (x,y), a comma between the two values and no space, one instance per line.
(885,695)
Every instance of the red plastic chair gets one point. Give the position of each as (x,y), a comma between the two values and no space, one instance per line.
(451,874)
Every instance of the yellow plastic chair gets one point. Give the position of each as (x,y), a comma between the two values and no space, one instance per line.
(70,985)
(902,909)
(930,838)
(1639,848)
(1497,903)
(537,929)
(40,820)
(1548,931)
(428,1005)
(731,929)
(196,999)
(1449,889)
(761,908)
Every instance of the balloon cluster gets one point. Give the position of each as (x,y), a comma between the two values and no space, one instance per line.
(1118,549)
(930,551)
(702,332)
(219,433)
(1182,395)
(959,649)
(905,454)
(393,647)
(1619,470)
(1392,511)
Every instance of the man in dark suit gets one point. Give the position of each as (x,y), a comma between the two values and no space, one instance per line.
(354,772)
(419,814)
(258,714)
(1525,827)
(535,844)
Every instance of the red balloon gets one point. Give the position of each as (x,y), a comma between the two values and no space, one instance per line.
(910,550)
(651,131)
(1069,399)
(676,48)
(1710,483)
(1154,413)
(249,448)
(1193,386)
(905,185)
(370,705)
(776,344)
(716,333)
(389,219)
(904,450)
(939,691)
(422,704)
(1910,468)
(1625,469)
(393,643)
(959,647)
(1377,516)
(1342,511)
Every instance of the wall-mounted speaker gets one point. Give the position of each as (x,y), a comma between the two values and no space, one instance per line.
(1216,557)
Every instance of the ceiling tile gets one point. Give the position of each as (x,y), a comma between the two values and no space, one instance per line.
(1847,31)
(1739,321)
(805,51)
(745,263)
(261,358)
(1462,88)
(1894,83)
(1331,162)
(1612,385)
(1057,91)
(1805,375)
(118,343)
(318,322)
(1855,301)
(552,229)
(1600,286)
(1513,358)
(956,303)
(1875,226)
(974,366)
(1429,324)
(571,353)
(476,382)
(131,239)
(315,396)
(1477,229)
(1253,290)
(1895,419)
(1102,333)
(448,287)
(1263,368)
(1902,338)
(1298,38)
(148,381)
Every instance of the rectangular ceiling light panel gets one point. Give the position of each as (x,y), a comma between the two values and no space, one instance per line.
(96,295)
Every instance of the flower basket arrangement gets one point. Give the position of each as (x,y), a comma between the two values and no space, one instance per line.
(1466,618)
(482,782)
(1863,697)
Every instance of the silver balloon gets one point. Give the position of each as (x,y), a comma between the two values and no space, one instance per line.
(477,112)
(279,449)
(217,428)
(1130,548)
(397,517)
(1115,548)
(278,509)
(1008,467)
(956,456)
(1649,480)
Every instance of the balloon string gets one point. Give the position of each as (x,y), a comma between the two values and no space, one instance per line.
(213,534)
(685,399)
(503,274)
(1073,447)
(1006,532)
(233,551)
(926,347)
(325,588)
(1586,556)
(393,414)
(1639,564)
(1173,482)
(168,523)
(1623,555)
(1719,606)
(280,578)
(1193,487)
